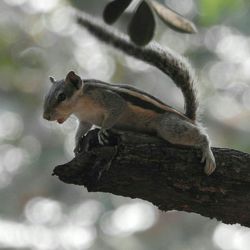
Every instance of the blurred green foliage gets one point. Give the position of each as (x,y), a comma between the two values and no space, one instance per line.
(213,11)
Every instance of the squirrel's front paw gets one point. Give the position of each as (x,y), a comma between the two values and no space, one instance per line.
(82,145)
(95,138)
(86,142)
(103,137)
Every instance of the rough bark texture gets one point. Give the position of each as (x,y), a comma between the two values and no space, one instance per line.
(169,176)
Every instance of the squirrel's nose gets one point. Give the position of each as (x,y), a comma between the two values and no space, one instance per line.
(46,116)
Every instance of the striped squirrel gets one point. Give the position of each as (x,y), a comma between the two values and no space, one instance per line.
(125,107)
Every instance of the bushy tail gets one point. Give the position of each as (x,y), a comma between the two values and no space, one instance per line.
(175,66)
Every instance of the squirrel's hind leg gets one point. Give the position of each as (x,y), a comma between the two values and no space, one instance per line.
(177,130)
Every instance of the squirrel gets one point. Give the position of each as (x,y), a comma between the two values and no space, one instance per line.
(124,107)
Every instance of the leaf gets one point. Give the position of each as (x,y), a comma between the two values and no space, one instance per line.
(142,26)
(173,19)
(114,9)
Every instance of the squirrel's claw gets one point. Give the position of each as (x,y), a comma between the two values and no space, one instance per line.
(103,136)
(209,160)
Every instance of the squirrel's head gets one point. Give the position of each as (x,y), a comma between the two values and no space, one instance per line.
(60,101)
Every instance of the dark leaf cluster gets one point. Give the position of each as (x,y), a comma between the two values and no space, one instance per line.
(142,25)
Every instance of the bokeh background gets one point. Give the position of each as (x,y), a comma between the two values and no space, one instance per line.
(39,39)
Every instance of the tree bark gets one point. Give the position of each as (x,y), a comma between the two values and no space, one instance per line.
(169,176)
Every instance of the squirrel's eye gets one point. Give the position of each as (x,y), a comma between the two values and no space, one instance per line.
(61,97)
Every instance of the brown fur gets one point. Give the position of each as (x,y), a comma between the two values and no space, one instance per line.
(137,119)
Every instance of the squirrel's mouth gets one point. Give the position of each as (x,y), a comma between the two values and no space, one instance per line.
(61,120)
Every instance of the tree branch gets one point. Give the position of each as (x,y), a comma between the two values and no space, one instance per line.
(169,176)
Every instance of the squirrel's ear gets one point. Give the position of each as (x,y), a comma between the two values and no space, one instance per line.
(52,79)
(74,79)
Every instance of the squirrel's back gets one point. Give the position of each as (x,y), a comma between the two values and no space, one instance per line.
(175,66)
